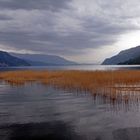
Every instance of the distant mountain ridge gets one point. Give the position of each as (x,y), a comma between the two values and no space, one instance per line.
(8,60)
(43,59)
(123,56)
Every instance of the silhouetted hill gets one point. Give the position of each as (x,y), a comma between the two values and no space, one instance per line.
(123,56)
(135,61)
(8,60)
(41,59)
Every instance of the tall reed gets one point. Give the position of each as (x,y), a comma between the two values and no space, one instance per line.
(111,84)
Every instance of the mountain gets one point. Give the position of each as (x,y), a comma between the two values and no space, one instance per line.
(123,56)
(8,60)
(43,59)
(135,61)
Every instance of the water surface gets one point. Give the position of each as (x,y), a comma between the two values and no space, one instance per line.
(37,112)
(75,67)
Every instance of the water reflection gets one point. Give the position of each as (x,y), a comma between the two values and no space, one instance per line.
(114,102)
(37,112)
(117,104)
(56,130)
(127,134)
(74,67)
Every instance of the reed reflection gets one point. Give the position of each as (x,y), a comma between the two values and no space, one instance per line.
(113,87)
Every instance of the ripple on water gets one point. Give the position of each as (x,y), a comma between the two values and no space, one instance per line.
(37,112)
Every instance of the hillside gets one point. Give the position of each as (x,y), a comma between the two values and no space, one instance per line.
(135,61)
(43,59)
(8,60)
(123,56)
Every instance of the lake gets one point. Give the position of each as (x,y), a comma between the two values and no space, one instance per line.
(38,112)
(74,67)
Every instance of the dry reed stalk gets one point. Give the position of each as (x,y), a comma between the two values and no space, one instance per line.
(110,84)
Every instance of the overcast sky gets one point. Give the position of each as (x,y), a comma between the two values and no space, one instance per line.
(81,30)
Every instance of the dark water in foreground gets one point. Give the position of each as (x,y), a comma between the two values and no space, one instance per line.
(37,112)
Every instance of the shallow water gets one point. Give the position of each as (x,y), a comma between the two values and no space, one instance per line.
(37,112)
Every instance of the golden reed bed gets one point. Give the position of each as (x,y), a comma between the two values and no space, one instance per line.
(109,84)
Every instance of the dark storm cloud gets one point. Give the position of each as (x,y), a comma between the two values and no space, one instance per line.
(65,27)
(33,4)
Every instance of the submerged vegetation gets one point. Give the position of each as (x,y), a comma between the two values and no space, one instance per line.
(109,84)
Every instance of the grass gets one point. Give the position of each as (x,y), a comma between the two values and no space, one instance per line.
(109,84)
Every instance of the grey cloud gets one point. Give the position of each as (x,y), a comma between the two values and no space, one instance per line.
(57,27)
(33,4)
(5,17)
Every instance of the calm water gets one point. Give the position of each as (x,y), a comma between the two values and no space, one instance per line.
(37,112)
(75,67)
